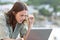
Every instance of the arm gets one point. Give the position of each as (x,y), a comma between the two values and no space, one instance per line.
(24,32)
(3,29)
(4,32)
(30,24)
(28,31)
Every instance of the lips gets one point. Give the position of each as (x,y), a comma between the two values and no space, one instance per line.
(21,21)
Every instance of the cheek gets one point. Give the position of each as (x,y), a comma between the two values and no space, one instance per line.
(17,17)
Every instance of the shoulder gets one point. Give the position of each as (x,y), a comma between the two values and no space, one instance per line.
(3,28)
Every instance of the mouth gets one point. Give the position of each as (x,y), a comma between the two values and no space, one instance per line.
(21,21)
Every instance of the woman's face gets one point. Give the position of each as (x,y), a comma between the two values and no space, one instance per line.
(21,16)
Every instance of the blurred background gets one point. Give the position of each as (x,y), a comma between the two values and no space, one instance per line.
(46,12)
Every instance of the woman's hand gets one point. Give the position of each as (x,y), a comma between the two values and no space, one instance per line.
(30,20)
(22,38)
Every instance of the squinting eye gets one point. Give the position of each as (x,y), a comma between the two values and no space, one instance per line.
(22,15)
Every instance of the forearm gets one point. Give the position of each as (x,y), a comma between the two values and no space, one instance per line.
(28,31)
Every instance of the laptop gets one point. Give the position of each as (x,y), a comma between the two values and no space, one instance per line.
(39,34)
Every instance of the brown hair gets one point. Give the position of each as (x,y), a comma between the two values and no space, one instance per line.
(18,6)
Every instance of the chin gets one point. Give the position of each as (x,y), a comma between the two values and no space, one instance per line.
(19,22)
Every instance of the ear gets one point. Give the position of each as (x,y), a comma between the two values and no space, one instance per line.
(14,13)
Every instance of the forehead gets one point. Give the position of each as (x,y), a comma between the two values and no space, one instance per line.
(24,12)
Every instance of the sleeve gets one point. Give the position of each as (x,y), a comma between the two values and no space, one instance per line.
(3,28)
(23,30)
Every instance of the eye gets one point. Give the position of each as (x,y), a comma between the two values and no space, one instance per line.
(22,15)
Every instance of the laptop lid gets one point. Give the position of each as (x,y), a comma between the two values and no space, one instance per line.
(39,34)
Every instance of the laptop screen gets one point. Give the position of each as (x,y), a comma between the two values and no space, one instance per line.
(39,34)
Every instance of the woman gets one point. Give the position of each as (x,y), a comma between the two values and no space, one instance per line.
(13,23)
